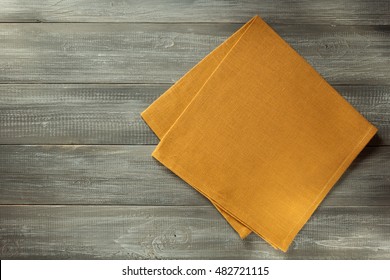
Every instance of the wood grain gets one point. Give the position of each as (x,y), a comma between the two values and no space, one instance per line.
(77,180)
(110,113)
(76,113)
(98,232)
(162,53)
(283,11)
(128,175)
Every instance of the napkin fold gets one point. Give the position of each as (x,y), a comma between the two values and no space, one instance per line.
(256,130)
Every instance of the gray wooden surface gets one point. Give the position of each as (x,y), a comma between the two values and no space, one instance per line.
(76,177)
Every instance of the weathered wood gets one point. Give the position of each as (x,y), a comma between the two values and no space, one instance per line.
(76,113)
(162,53)
(116,201)
(110,114)
(283,11)
(112,232)
(128,175)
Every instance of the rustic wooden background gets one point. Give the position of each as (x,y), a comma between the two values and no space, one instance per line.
(76,177)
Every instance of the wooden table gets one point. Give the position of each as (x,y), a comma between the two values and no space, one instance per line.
(76,177)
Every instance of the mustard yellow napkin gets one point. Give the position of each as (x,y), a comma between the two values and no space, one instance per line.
(259,132)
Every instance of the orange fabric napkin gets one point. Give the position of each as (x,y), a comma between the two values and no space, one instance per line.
(259,132)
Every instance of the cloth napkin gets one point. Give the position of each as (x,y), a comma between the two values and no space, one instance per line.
(256,130)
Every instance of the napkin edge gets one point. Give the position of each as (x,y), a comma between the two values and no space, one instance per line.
(372,130)
(282,244)
(147,114)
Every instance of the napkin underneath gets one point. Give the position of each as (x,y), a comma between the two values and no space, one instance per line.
(255,129)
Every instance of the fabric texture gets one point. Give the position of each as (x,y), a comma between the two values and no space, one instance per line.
(255,129)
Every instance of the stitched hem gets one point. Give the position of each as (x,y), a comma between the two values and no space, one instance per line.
(328,186)
(248,221)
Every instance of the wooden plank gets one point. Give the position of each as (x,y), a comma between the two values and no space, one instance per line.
(128,175)
(162,53)
(110,113)
(283,11)
(112,232)
(76,113)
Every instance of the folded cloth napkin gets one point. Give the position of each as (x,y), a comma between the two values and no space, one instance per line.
(255,129)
